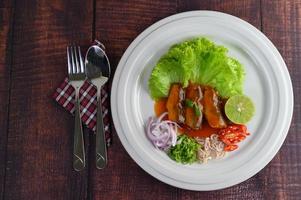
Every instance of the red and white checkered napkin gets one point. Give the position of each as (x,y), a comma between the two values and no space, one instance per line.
(65,96)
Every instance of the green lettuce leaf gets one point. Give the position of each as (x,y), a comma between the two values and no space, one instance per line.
(198,60)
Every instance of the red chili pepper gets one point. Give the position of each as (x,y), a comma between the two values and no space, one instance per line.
(232,135)
(227,142)
(230,147)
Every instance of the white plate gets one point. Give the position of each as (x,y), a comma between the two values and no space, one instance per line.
(267,83)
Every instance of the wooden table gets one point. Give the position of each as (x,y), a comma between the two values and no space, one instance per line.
(36,134)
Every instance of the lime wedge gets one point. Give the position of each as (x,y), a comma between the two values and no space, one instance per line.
(239,109)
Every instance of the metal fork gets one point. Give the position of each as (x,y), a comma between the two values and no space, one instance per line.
(76,72)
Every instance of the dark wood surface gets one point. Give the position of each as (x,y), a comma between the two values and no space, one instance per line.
(6,19)
(36,136)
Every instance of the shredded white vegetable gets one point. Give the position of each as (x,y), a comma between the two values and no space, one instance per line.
(211,148)
(162,133)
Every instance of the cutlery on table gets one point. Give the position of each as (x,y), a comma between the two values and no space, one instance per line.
(76,73)
(98,72)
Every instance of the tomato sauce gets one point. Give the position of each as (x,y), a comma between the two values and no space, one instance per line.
(205,131)
(160,106)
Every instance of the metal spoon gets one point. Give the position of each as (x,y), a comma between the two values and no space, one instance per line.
(98,72)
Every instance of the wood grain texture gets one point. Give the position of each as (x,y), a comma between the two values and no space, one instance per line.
(40,136)
(36,135)
(126,180)
(117,24)
(7,4)
(281,22)
(6,23)
(248,10)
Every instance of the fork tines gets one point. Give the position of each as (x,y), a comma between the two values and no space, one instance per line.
(75,62)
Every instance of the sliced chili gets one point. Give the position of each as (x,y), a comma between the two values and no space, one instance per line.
(232,135)
(230,147)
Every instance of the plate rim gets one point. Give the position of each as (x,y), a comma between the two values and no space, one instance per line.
(116,79)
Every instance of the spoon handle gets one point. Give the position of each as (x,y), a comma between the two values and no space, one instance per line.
(101,148)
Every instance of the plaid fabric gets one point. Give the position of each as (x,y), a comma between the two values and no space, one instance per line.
(65,96)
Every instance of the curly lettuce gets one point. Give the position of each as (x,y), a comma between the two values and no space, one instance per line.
(201,61)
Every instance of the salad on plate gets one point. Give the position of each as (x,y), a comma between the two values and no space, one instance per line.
(200,108)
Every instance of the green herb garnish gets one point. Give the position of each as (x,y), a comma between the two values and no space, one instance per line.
(189,103)
(193,105)
(197,110)
(185,151)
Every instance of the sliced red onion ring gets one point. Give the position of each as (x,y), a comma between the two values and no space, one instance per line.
(162,133)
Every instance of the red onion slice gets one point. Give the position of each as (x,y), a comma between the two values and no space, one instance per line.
(162,133)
